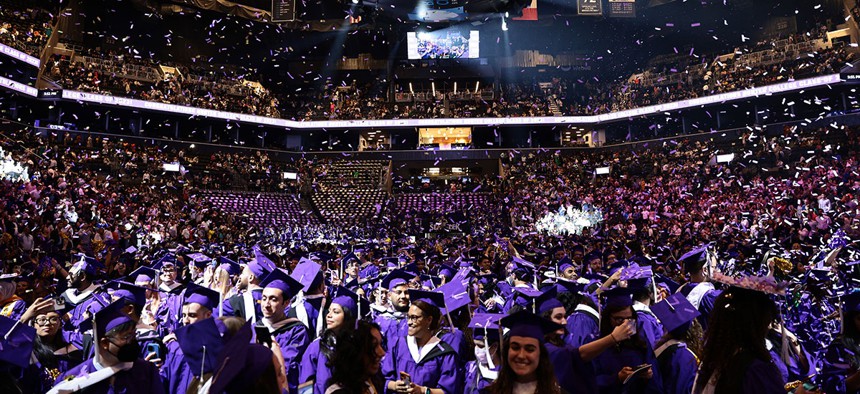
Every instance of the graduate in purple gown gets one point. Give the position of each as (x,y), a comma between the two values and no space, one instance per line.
(641,281)
(583,325)
(393,321)
(420,360)
(289,333)
(527,367)
(482,371)
(250,292)
(698,291)
(308,307)
(53,355)
(676,350)
(175,371)
(735,358)
(115,367)
(572,365)
(79,295)
(341,316)
(17,341)
(616,369)
(841,371)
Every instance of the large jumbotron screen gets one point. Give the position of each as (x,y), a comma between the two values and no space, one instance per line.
(443,44)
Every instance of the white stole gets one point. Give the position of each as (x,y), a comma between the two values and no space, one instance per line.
(82,382)
(695,296)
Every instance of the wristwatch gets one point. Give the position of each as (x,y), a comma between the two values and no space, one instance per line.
(426,390)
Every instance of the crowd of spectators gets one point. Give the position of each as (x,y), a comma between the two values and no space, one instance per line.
(760,63)
(26,29)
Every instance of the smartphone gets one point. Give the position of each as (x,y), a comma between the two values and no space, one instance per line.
(264,337)
(152,348)
(59,303)
(406,378)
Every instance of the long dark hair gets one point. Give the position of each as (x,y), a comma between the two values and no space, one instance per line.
(328,338)
(546,381)
(44,349)
(737,328)
(347,361)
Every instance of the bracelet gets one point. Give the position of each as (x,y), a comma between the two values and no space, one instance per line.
(613,338)
(426,390)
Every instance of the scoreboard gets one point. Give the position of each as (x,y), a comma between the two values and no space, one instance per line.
(283,10)
(622,8)
(590,7)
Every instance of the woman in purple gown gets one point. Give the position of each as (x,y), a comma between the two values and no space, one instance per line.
(735,358)
(341,317)
(421,362)
(54,355)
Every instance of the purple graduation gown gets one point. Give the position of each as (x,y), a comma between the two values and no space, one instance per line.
(438,369)
(393,325)
(313,367)
(293,339)
(141,378)
(235,305)
(840,362)
(475,382)
(649,326)
(678,367)
(573,374)
(15,309)
(175,373)
(794,369)
(582,328)
(610,362)
(313,308)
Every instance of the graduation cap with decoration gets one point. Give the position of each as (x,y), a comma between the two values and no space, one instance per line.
(456,295)
(676,313)
(485,325)
(281,280)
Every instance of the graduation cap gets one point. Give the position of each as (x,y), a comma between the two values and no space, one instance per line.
(201,344)
(143,276)
(369,271)
(619,297)
(199,259)
(127,292)
(261,265)
(168,259)
(456,295)
(485,325)
(522,265)
(351,301)
(281,280)
(529,325)
(434,298)
(565,263)
(86,264)
(695,259)
(446,271)
(233,268)
(204,296)
(309,274)
(16,342)
(396,278)
(240,363)
(675,312)
(390,262)
(540,301)
(349,258)
(570,286)
(109,318)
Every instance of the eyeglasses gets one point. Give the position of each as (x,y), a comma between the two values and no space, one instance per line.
(125,338)
(413,318)
(45,320)
(621,319)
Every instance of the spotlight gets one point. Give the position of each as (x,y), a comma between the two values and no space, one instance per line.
(504,25)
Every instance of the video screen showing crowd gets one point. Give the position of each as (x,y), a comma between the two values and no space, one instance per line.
(479,317)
